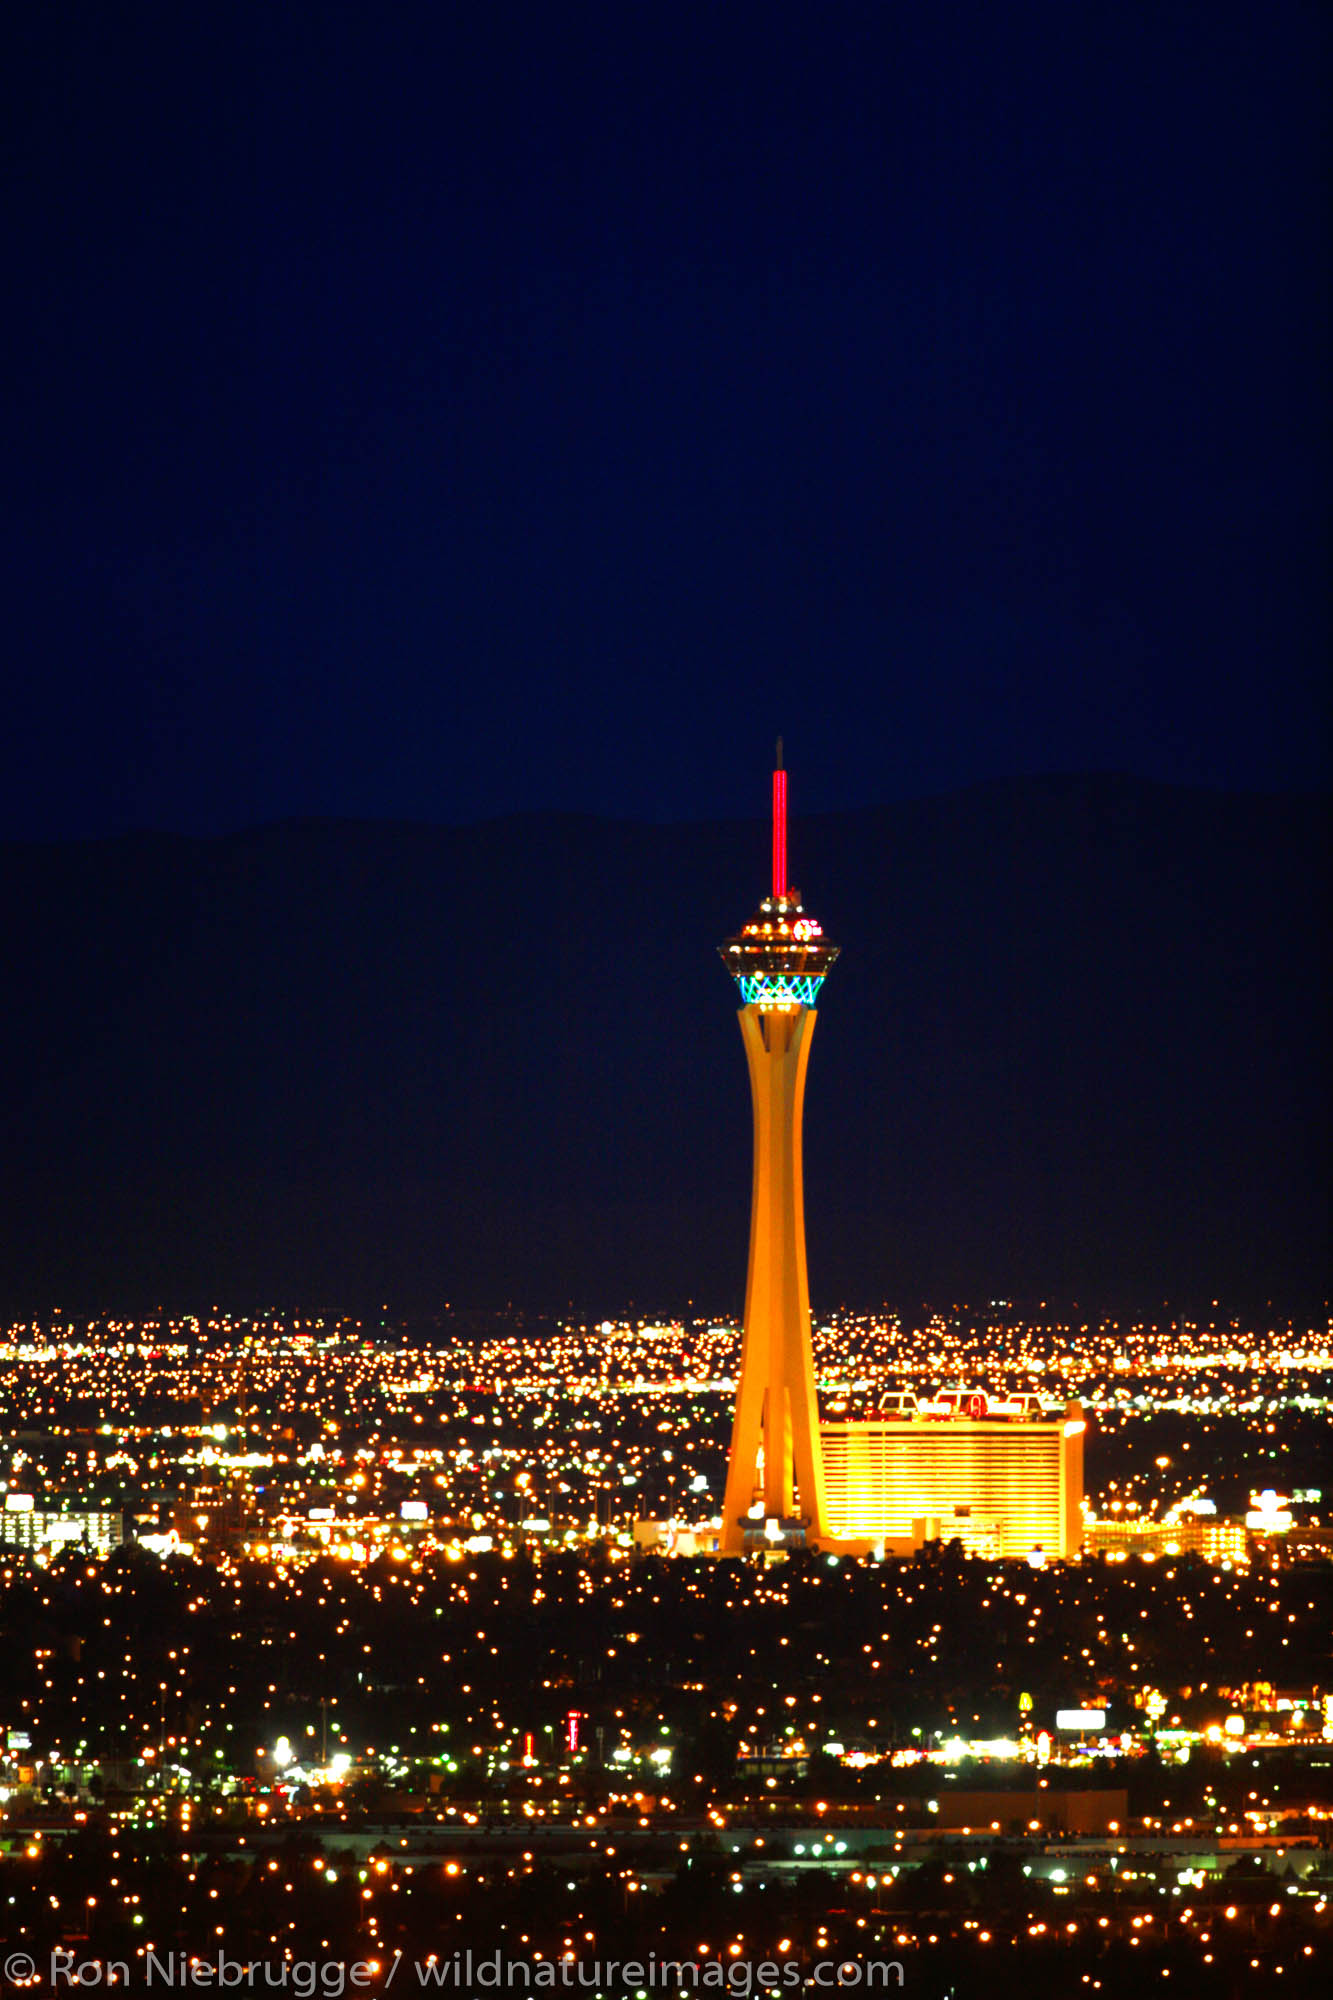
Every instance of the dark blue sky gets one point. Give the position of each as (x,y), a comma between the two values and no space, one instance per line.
(429,411)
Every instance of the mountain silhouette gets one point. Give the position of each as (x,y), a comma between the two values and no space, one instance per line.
(1076,1043)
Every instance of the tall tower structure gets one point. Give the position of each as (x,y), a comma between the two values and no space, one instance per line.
(779,962)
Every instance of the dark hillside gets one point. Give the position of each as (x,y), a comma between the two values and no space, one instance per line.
(1077,1041)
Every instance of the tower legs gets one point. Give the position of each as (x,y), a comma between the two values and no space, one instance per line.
(776,1406)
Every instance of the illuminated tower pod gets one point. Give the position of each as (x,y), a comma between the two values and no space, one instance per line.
(779,962)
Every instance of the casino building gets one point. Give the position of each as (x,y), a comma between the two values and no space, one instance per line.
(1004,1486)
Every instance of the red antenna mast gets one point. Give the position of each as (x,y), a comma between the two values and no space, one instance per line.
(779,828)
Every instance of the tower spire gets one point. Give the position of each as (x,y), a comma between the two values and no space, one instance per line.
(779,827)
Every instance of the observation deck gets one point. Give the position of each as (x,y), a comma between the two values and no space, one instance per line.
(781,957)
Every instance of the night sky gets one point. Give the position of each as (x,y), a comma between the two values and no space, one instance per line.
(426,411)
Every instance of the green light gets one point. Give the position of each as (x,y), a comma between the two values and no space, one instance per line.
(779,989)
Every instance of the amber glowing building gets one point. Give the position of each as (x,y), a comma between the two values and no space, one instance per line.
(1002,1486)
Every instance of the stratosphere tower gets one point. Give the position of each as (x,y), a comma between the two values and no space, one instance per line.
(775,1472)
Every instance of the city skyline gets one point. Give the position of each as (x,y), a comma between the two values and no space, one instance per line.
(330,1633)
(446,447)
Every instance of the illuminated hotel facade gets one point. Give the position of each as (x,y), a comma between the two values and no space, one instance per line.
(1001,1484)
